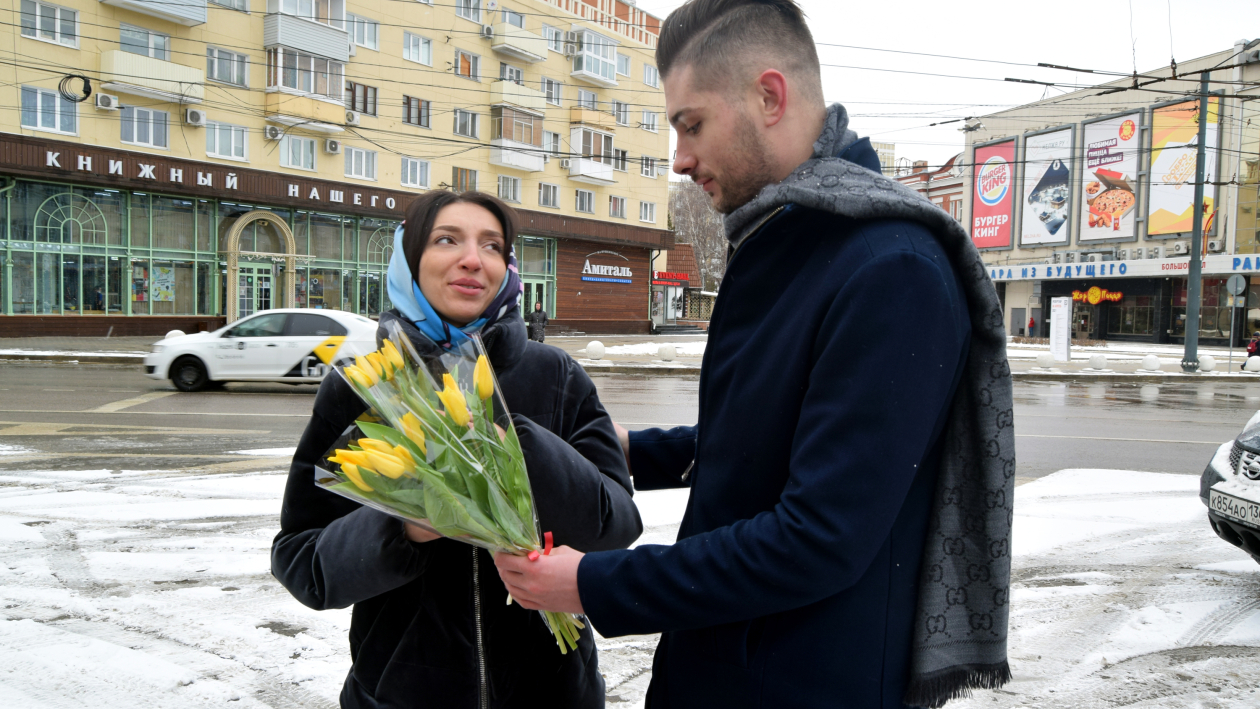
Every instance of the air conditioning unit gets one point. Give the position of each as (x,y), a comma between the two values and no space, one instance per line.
(1181,248)
(546,159)
(1056,257)
(195,117)
(1154,252)
(1216,246)
(352,118)
(353,51)
(1138,252)
(1070,257)
(332,146)
(570,50)
(273,133)
(107,102)
(565,163)
(1124,255)
(1093,258)
(487,31)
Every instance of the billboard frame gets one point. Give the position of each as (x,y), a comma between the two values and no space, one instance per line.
(1143,168)
(1219,95)
(1076,173)
(971,193)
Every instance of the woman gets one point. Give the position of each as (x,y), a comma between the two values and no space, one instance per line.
(538,323)
(430,626)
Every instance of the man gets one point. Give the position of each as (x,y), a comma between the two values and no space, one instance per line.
(847,538)
(537,323)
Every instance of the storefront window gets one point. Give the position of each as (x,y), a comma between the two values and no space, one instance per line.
(205,289)
(172,288)
(72,302)
(326,290)
(23,282)
(1135,315)
(139,220)
(1214,316)
(174,226)
(205,224)
(536,258)
(139,274)
(326,236)
(115,285)
(47,283)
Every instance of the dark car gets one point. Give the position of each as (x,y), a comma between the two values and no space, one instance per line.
(1230,487)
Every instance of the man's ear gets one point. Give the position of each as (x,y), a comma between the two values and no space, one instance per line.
(772,96)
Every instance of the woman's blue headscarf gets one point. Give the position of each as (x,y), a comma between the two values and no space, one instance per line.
(405,294)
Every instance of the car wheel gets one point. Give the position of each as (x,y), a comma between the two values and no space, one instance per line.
(189,374)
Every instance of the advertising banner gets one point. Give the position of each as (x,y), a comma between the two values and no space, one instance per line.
(993,199)
(1047,191)
(1061,329)
(1174,144)
(1109,184)
(163,284)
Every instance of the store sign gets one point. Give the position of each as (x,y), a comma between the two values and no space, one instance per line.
(1174,148)
(1096,295)
(994,196)
(1109,182)
(602,273)
(1215,264)
(1047,192)
(669,278)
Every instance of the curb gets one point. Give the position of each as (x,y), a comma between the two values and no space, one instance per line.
(1121,378)
(74,358)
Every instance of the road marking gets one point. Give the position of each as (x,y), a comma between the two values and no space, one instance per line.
(154,413)
(56,389)
(1128,440)
(128,403)
(26,428)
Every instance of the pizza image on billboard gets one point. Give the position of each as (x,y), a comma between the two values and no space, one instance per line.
(1112,148)
(993,201)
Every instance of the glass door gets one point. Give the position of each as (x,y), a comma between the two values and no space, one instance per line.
(535,292)
(254,289)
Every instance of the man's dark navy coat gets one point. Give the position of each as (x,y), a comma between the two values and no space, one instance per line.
(833,354)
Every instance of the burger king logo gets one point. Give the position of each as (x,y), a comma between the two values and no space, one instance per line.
(994,180)
(1127,129)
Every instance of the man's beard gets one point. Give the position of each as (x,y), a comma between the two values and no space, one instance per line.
(750,171)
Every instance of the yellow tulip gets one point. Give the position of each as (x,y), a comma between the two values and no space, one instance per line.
(358,377)
(482,378)
(352,457)
(412,429)
(367,369)
(381,365)
(454,402)
(352,471)
(387,464)
(405,455)
(371,444)
(392,355)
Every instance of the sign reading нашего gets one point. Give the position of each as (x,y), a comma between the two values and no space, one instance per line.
(1215,264)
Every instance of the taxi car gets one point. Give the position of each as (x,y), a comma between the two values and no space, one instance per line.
(293,346)
(1230,487)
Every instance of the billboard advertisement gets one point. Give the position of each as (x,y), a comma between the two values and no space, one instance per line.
(1109,178)
(1174,144)
(1047,188)
(993,198)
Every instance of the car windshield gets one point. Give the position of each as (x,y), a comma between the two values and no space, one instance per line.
(271,325)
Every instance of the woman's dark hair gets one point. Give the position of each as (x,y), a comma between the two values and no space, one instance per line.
(423,211)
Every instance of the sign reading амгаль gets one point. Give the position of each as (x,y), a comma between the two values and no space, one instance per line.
(1216,264)
(606,274)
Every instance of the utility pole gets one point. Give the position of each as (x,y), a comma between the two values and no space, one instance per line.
(1194,295)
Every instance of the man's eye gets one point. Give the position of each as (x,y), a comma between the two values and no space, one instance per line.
(694,129)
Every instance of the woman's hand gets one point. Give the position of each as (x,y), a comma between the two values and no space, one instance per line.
(419,534)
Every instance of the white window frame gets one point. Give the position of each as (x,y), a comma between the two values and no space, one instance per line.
(417,48)
(57,36)
(649,121)
(468,9)
(238,61)
(589,199)
(599,50)
(242,5)
(214,131)
(588,100)
(472,122)
(648,167)
(308,10)
(153,118)
(335,79)
(418,167)
(286,152)
(366,167)
(558,95)
(621,158)
(509,15)
(621,111)
(510,189)
(551,142)
(512,73)
(651,76)
(554,37)
(359,25)
(546,189)
(474,63)
(163,53)
(647,212)
(629,65)
(616,207)
(60,107)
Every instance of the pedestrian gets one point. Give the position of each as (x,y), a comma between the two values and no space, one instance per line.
(430,626)
(1253,347)
(98,300)
(538,323)
(1032,323)
(847,537)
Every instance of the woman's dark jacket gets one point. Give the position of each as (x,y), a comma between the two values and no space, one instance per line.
(414,632)
(537,325)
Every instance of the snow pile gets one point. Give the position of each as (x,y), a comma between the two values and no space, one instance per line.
(648,349)
(14,450)
(268,452)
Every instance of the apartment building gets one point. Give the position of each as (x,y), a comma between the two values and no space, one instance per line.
(238,155)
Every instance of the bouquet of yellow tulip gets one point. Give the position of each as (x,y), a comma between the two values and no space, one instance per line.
(436,458)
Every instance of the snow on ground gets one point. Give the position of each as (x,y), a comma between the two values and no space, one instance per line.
(682,349)
(13,450)
(1126,352)
(68,353)
(152,588)
(268,452)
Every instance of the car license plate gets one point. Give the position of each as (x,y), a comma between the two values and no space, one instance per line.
(1235,508)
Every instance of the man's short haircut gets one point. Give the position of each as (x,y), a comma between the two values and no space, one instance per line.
(723,39)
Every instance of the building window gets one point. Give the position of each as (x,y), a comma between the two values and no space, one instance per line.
(518,126)
(144,126)
(648,167)
(585,201)
(515,19)
(598,57)
(617,207)
(649,121)
(416,111)
(647,212)
(595,146)
(554,37)
(548,195)
(417,49)
(551,89)
(465,123)
(509,188)
(620,158)
(321,11)
(551,142)
(514,74)
(50,23)
(650,77)
(361,98)
(296,151)
(361,163)
(225,66)
(468,65)
(225,141)
(363,32)
(47,110)
(463,180)
(305,73)
(622,112)
(623,64)
(415,173)
(234,4)
(138,40)
(468,9)
(588,99)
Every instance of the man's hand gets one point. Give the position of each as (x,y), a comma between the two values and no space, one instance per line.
(623,437)
(419,534)
(548,584)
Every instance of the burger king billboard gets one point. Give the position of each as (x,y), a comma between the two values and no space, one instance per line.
(993,195)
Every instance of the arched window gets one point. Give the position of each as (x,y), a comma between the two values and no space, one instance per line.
(68,218)
(381,246)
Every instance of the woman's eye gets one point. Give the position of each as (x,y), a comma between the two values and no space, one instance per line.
(695,129)
(444,240)
(494,246)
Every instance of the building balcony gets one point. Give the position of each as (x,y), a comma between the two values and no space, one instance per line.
(519,44)
(588,72)
(184,12)
(517,156)
(595,119)
(306,112)
(513,94)
(306,36)
(137,75)
(590,171)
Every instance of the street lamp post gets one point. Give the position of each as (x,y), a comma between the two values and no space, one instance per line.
(1194,294)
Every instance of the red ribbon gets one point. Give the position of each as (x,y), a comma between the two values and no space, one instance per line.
(547,542)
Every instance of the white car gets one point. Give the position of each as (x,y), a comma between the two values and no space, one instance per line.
(293,346)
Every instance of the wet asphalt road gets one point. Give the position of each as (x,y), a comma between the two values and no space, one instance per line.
(105,417)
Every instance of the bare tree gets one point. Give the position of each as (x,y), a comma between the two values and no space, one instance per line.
(696,222)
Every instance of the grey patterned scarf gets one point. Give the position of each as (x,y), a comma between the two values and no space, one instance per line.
(964,584)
